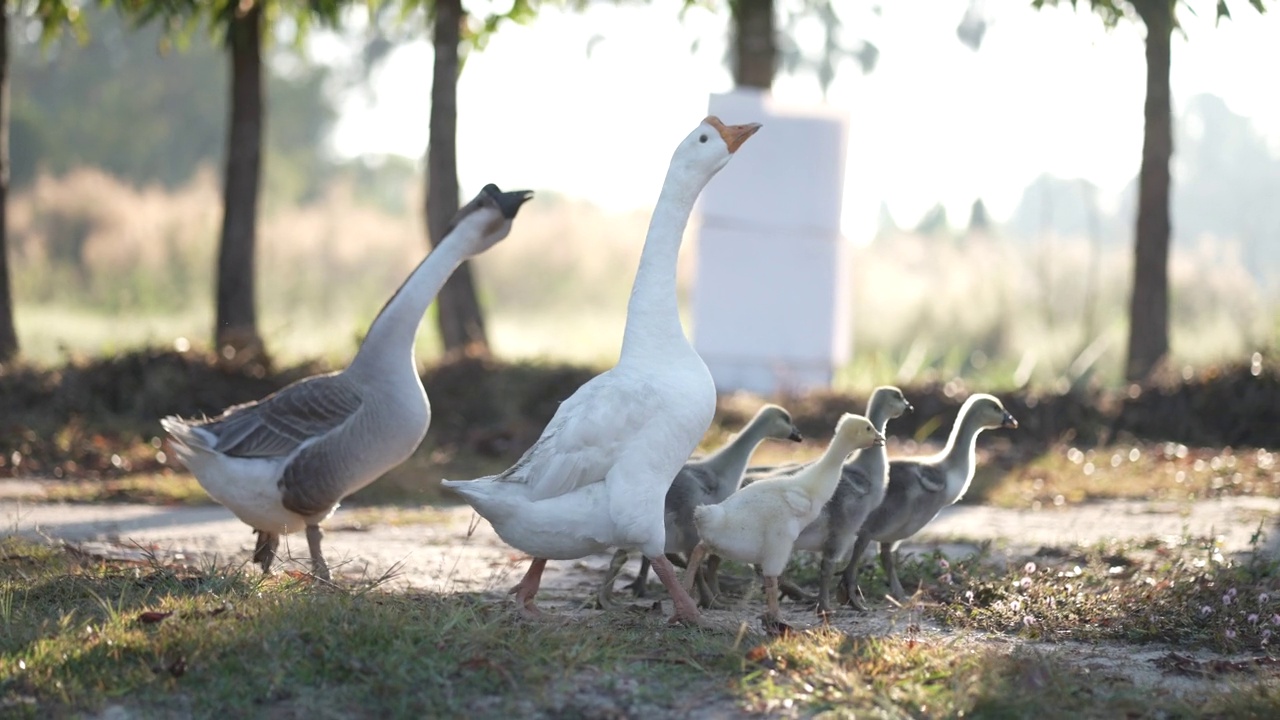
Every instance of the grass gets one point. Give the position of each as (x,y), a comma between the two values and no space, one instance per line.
(82,633)
(1156,471)
(1185,593)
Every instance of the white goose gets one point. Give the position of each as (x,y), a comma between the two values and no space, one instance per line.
(284,462)
(598,476)
(705,481)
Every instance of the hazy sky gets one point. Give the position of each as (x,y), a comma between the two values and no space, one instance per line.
(1049,91)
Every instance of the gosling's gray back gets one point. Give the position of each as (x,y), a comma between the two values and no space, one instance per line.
(915,495)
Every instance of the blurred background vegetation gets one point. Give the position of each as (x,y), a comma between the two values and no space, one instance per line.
(115,207)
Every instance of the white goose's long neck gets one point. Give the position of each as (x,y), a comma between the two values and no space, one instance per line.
(390,341)
(826,469)
(729,462)
(959,456)
(653,317)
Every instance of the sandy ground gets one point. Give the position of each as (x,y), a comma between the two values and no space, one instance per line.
(457,551)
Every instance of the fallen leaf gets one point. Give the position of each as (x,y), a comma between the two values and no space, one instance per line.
(153,617)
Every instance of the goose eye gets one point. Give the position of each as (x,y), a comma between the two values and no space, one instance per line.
(702,138)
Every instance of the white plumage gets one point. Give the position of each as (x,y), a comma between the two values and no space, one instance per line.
(597,476)
(759,523)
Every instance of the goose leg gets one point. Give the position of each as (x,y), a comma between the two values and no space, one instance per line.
(712,572)
(319,567)
(774,612)
(824,584)
(891,571)
(640,586)
(794,591)
(527,588)
(706,598)
(685,609)
(691,570)
(850,580)
(604,595)
(264,550)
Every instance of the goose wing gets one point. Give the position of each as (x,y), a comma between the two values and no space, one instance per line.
(281,423)
(583,440)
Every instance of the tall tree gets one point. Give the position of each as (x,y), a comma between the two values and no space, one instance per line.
(236,323)
(1149,302)
(458,313)
(458,310)
(53,15)
(754,43)
(244,26)
(8,334)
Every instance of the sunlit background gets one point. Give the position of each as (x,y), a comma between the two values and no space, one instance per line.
(113,240)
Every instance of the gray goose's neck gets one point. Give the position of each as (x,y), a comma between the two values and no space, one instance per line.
(730,461)
(875,459)
(389,345)
(959,457)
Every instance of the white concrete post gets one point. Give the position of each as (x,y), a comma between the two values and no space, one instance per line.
(771,304)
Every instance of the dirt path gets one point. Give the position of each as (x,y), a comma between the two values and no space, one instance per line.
(454,551)
(440,554)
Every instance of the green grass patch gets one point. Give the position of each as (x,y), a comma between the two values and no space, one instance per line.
(1155,471)
(1186,593)
(78,634)
(152,489)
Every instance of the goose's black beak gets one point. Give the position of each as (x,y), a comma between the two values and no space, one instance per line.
(508,202)
(795,436)
(910,408)
(1009,421)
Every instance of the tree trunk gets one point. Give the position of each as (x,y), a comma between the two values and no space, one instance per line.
(457,310)
(1149,306)
(755,48)
(8,336)
(236,331)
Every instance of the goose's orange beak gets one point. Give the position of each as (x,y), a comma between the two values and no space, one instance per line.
(733,135)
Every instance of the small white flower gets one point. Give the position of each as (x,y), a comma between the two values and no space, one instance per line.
(1226,599)
(1025,582)
(1275,619)
(1015,606)
(1028,621)
(945,579)
(968,596)
(1206,611)
(1231,634)
(1253,618)
(943,564)
(1029,568)
(1232,592)
(1263,598)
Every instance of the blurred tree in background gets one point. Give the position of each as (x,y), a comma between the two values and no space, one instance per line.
(49,17)
(243,26)
(1149,301)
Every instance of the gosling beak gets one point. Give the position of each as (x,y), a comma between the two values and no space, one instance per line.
(508,202)
(1009,421)
(879,441)
(733,135)
(795,436)
(910,408)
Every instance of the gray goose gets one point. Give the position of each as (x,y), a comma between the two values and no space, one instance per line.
(283,463)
